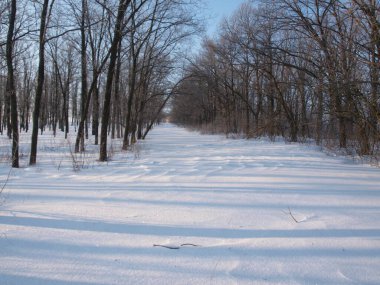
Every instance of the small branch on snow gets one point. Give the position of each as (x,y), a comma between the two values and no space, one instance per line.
(166,246)
(189,244)
(292,216)
(175,247)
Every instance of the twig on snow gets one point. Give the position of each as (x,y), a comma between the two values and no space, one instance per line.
(175,247)
(189,244)
(167,246)
(291,215)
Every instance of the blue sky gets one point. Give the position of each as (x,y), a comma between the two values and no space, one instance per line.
(217,9)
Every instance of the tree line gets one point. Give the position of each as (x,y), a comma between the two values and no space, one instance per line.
(301,69)
(104,66)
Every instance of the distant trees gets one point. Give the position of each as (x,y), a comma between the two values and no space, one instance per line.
(94,64)
(299,69)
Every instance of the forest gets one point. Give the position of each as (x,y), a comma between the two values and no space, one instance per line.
(300,69)
(106,67)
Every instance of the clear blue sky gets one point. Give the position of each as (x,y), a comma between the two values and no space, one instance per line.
(217,9)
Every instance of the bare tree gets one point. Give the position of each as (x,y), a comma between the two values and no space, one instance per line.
(40,81)
(96,38)
(11,88)
(117,37)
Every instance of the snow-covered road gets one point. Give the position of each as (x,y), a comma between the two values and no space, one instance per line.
(191,209)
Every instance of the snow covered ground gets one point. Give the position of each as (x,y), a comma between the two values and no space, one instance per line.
(186,208)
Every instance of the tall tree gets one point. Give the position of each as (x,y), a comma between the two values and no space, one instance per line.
(84,95)
(96,38)
(40,80)
(11,88)
(117,37)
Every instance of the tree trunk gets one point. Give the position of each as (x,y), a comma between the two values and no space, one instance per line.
(132,87)
(40,83)
(123,4)
(95,113)
(79,143)
(155,118)
(11,89)
(116,102)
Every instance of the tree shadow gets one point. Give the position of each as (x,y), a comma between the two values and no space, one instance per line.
(167,230)
(13,279)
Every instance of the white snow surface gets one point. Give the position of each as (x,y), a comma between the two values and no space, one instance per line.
(186,208)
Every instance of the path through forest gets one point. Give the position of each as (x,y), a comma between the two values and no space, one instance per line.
(186,208)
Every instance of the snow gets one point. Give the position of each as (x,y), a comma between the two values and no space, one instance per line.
(185,208)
